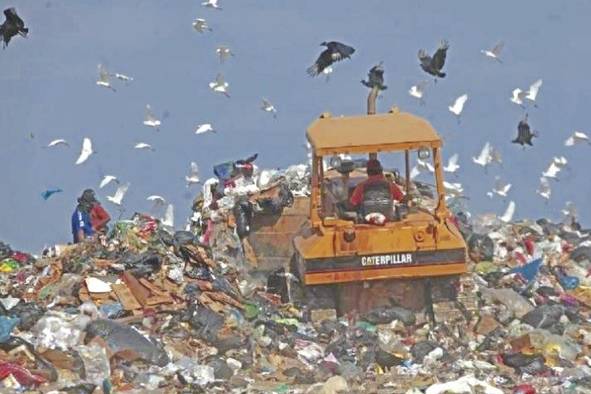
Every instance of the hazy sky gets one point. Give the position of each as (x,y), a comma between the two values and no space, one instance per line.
(48,89)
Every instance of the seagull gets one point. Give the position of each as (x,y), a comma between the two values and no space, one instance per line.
(452,164)
(414,172)
(552,171)
(123,77)
(50,192)
(117,198)
(157,200)
(418,91)
(458,106)
(570,210)
(12,26)
(453,189)
(108,179)
(268,107)
(58,142)
(518,96)
(204,128)
(150,120)
(495,156)
(334,52)
(327,71)
(544,189)
(104,78)
(143,145)
(223,53)
(219,85)
(375,78)
(86,151)
(533,91)
(524,133)
(501,188)
(193,176)
(576,138)
(494,52)
(485,156)
(509,212)
(560,161)
(168,219)
(200,25)
(425,166)
(434,65)
(211,4)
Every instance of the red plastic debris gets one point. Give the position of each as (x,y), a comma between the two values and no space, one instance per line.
(524,389)
(530,246)
(21,374)
(21,257)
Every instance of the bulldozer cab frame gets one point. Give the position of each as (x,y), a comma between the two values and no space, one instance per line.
(391,132)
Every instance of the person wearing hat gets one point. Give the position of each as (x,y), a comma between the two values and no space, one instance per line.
(374,188)
(89,217)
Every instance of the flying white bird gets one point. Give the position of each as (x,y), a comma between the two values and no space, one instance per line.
(458,105)
(569,210)
(223,53)
(560,161)
(211,4)
(86,151)
(104,78)
(452,164)
(495,156)
(425,165)
(453,189)
(108,179)
(143,145)
(552,171)
(544,189)
(414,172)
(157,200)
(533,91)
(418,91)
(501,188)
(509,212)
(168,219)
(219,85)
(117,198)
(268,107)
(123,77)
(204,128)
(494,52)
(485,156)
(58,142)
(150,120)
(576,138)
(518,96)
(193,176)
(201,25)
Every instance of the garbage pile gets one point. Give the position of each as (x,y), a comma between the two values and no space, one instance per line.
(150,309)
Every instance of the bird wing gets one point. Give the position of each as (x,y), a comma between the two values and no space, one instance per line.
(533,90)
(498,48)
(13,17)
(58,142)
(424,58)
(120,193)
(438,60)
(414,172)
(324,60)
(219,79)
(103,74)
(106,180)
(570,141)
(156,198)
(86,151)
(485,155)
(194,169)
(509,212)
(552,170)
(168,219)
(580,135)
(340,51)
(453,161)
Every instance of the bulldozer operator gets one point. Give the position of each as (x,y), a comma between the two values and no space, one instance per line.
(376,193)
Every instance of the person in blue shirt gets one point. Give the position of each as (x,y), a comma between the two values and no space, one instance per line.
(81,223)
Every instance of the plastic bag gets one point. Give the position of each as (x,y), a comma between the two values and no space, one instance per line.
(96,363)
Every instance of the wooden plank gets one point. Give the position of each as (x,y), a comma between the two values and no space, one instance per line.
(125,297)
(139,292)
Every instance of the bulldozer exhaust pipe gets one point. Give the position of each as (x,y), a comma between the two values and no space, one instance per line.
(371,100)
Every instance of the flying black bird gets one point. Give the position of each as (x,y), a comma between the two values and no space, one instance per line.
(375,78)
(524,133)
(12,26)
(334,52)
(434,65)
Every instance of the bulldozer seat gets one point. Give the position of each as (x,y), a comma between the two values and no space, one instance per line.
(377,198)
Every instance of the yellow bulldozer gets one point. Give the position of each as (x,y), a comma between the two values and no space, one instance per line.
(345,262)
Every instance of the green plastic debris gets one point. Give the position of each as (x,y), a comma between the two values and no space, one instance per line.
(251,311)
(9,265)
(366,326)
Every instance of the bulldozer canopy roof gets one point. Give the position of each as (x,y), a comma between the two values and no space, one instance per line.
(371,133)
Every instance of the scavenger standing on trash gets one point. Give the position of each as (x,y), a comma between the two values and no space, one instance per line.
(89,217)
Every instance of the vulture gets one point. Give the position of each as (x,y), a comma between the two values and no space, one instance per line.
(434,65)
(375,78)
(334,52)
(524,133)
(12,26)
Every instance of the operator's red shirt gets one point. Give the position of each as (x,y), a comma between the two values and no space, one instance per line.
(357,196)
(98,217)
